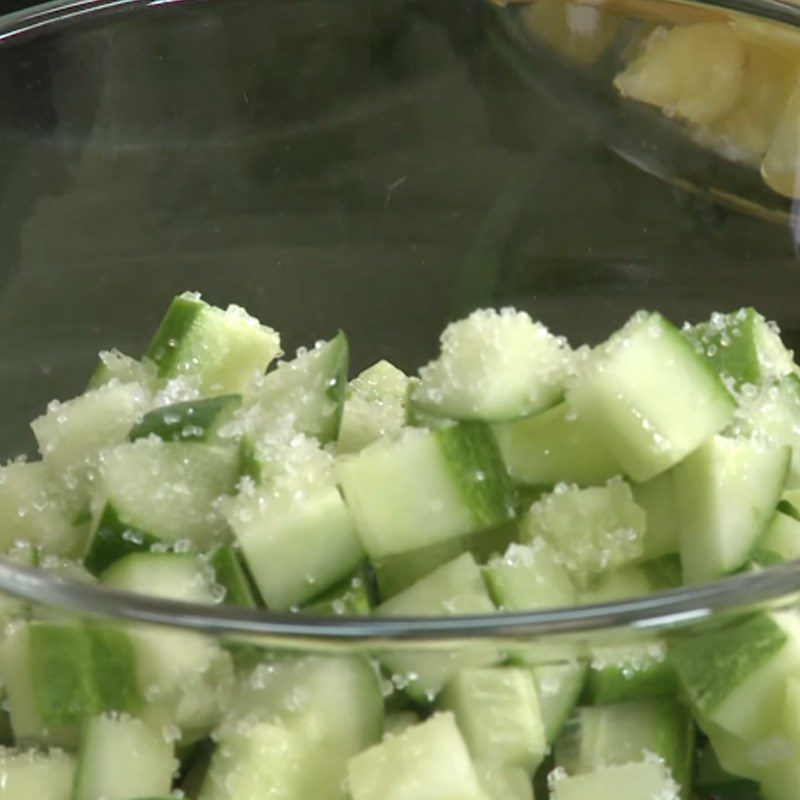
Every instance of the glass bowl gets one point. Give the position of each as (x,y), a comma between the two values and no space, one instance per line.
(384,166)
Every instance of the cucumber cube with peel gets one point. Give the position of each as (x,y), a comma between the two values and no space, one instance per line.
(643,780)
(662,528)
(189,421)
(429,761)
(558,686)
(651,398)
(494,365)
(426,487)
(34,775)
(726,491)
(504,783)
(223,351)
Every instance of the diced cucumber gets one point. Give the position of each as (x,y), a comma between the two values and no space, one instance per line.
(306,394)
(624,733)
(397,572)
(735,674)
(374,407)
(494,366)
(649,396)
(72,434)
(742,347)
(34,510)
(426,487)
(57,673)
(296,534)
(664,573)
(223,350)
(617,584)
(191,421)
(712,779)
(398,722)
(553,446)
(781,538)
(35,776)
(116,366)
(781,780)
(230,574)
(457,588)
(497,711)
(429,761)
(186,677)
(354,596)
(558,687)
(529,576)
(658,499)
(314,712)
(169,489)
(790,503)
(593,529)
(774,414)
(505,783)
(727,491)
(643,780)
(121,758)
(112,539)
(634,671)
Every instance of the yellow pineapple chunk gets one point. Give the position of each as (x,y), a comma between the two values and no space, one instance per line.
(694,72)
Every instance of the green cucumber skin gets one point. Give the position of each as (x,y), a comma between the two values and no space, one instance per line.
(471,452)
(192,421)
(113,539)
(232,575)
(612,684)
(337,388)
(181,315)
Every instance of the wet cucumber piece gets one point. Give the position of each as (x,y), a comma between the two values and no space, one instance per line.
(504,783)
(230,574)
(429,761)
(306,394)
(644,780)
(111,540)
(374,407)
(493,365)
(554,446)
(223,351)
(558,687)
(355,596)
(742,347)
(616,584)
(781,540)
(726,491)
(649,396)
(56,674)
(35,775)
(120,758)
(426,487)
(118,367)
(457,588)
(497,711)
(662,528)
(624,733)
(191,421)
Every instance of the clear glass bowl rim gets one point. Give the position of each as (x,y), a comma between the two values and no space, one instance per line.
(683,606)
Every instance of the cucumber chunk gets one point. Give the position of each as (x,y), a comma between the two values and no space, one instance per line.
(494,366)
(355,596)
(632,671)
(742,347)
(429,761)
(306,394)
(558,687)
(593,529)
(729,671)
(191,421)
(505,783)
(625,733)
(456,588)
(497,711)
(616,584)
(36,776)
(112,539)
(554,446)
(662,529)
(57,673)
(426,487)
(224,351)
(121,758)
(374,407)
(296,534)
(34,510)
(528,577)
(781,539)
(644,780)
(116,366)
(230,574)
(168,489)
(72,434)
(649,396)
(727,491)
